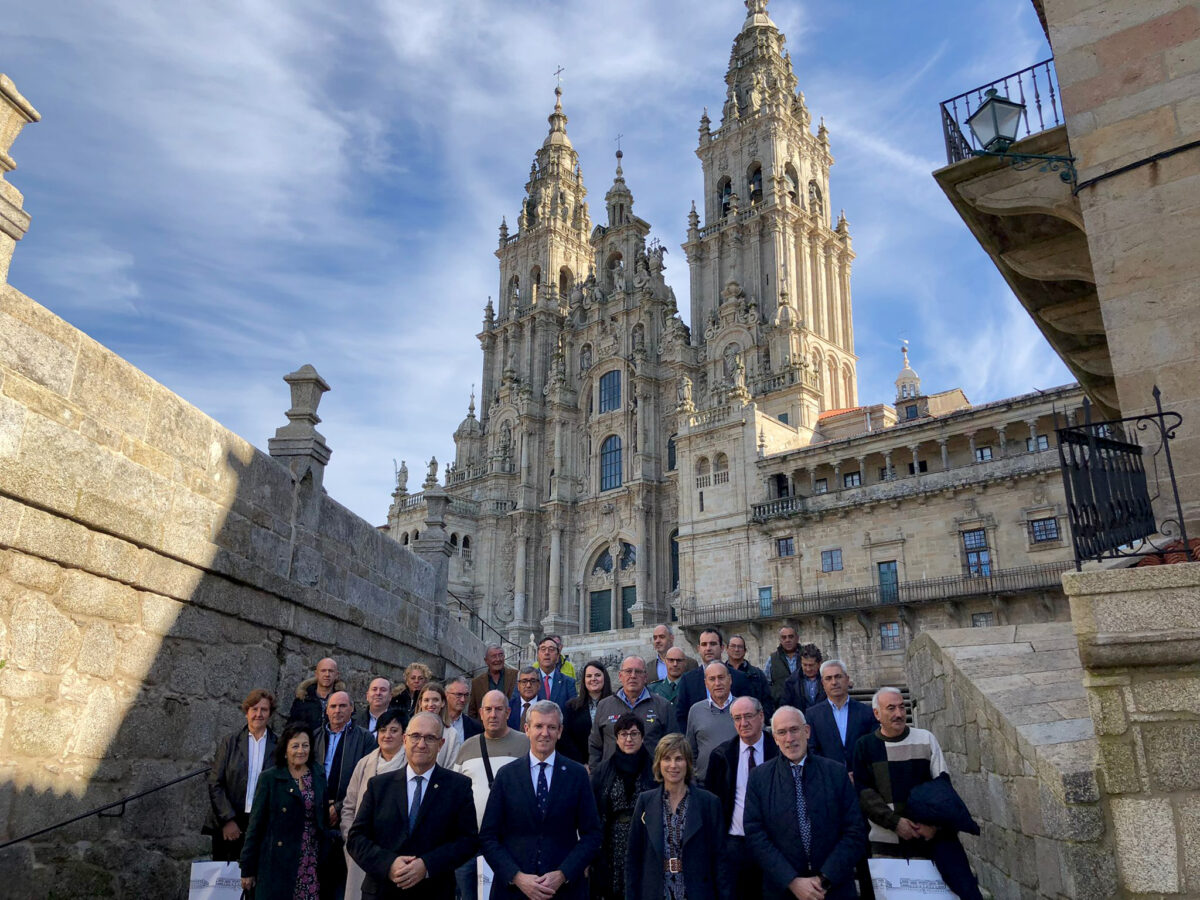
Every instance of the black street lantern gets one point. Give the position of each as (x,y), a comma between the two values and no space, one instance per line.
(996,121)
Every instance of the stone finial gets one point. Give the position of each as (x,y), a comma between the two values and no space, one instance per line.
(299,438)
(15,113)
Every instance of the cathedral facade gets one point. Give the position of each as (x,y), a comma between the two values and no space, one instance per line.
(624,469)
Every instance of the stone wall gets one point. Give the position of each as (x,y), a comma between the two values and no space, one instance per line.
(1008,707)
(154,567)
(1140,646)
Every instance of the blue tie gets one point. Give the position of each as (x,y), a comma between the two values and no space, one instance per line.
(416,805)
(802,809)
(543,790)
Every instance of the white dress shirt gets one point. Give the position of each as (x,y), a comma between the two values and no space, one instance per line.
(743,777)
(258,750)
(412,784)
(534,763)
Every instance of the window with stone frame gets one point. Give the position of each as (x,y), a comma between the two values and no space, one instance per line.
(1038,442)
(983,620)
(983,454)
(831,560)
(922,466)
(911,411)
(610,463)
(851,479)
(785,546)
(978,555)
(610,391)
(671,463)
(821,486)
(889,636)
(1043,531)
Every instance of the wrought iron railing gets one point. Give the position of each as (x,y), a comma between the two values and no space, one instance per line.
(1036,87)
(470,619)
(1113,473)
(1045,576)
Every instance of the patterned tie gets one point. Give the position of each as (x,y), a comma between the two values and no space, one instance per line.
(546,681)
(543,790)
(752,763)
(802,809)
(416,804)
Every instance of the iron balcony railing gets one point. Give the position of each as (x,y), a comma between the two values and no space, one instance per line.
(1114,474)
(1036,87)
(926,590)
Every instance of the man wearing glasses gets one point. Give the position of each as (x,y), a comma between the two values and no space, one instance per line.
(655,713)
(524,697)
(415,825)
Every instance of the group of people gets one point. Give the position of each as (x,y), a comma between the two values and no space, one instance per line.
(543,782)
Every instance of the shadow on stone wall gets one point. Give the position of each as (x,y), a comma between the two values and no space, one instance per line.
(154,568)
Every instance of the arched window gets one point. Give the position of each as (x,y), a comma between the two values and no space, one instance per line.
(404,539)
(671,453)
(610,463)
(416,535)
(565,281)
(512,298)
(603,564)
(835,389)
(702,467)
(628,556)
(793,183)
(674,541)
(610,391)
(535,283)
(721,469)
(848,385)
(724,192)
(466,547)
(454,541)
(754,180)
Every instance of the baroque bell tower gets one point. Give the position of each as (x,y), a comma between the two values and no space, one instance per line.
(767,245)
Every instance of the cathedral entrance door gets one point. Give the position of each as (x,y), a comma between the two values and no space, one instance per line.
(600,611)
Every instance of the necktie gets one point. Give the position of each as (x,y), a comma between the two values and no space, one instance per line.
(546,680)
(750,766)
(543,790)
(802,809)
(416,804)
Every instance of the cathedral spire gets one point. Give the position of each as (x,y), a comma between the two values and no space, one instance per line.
(619,199)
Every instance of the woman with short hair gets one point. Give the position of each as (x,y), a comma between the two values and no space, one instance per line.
(675,835)
(404,697)
(616,784)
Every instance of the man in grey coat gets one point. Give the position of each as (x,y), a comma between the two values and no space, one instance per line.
(656,713)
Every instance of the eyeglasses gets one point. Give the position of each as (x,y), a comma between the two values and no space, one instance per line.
(527,681)
(629,735)
(633,671)
(422,738)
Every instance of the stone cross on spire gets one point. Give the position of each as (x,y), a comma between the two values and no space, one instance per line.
(756,6)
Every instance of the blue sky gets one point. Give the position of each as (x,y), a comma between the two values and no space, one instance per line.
(224,191)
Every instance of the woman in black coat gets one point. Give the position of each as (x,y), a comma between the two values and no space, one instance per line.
(232,776)
(580,712)
(616,785)
(675,837)
(289,822)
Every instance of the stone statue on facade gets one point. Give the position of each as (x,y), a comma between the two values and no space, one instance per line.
(684,394)
(431,479)
(401,476)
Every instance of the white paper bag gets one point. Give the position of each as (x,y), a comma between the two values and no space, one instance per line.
(215,881)
(483,872)
(908,879)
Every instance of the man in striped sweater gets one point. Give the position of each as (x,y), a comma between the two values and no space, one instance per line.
(888,763)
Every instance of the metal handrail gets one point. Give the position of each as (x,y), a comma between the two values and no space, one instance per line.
(923,590)
(100,809)
(1025,87)
(483,625)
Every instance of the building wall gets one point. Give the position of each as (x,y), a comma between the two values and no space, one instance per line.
(155,567)
(1130,82)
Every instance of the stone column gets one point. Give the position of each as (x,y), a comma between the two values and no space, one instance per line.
(916,460)
(942,445)
(1003,440)
(1032,423)
(643,609)
(889,473)
(837,475)
(970,441)
(862,470)
(1143,686)
(520,622)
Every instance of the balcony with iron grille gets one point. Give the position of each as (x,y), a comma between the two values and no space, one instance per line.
(1028,219)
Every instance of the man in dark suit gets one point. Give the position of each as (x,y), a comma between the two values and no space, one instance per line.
(337,748)
(415,825)
(837,723)
(729,769)
(803,689)
(540,828)
(523,698)
(553,685)
(691,686)
(803,823)
(379,698)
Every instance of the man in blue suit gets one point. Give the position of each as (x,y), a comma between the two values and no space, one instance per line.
(553,684)
(540,828)
(839,721)
(523,697)
(803,822)
(691,686)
